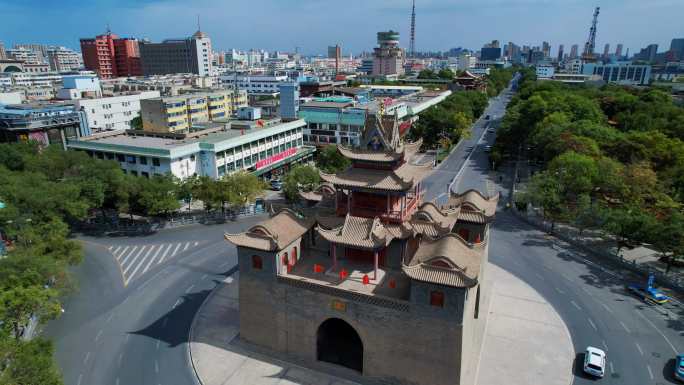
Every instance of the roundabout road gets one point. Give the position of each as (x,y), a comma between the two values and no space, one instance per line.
(118,334)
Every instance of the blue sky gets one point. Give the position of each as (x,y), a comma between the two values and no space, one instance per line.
(314,24)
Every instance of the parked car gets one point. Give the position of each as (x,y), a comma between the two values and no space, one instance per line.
(487,117)
(488,149)
(276,185)
(491,130)
(594,361)
(679,368)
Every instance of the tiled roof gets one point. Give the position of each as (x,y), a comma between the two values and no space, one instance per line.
(462,258)
(475,200)
(274,233)
(365,233)
(472,216)
(443,217)
(404,150)
(401,179)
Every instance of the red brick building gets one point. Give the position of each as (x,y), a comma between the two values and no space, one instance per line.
(111,56)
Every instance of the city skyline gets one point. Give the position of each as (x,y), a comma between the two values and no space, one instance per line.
(277,26)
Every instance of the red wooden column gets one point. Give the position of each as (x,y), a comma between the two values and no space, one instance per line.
(388,203)
(375,263)
(334,255)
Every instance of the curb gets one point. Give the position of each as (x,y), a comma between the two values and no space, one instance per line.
(191,332)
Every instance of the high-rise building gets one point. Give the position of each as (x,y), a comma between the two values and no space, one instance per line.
(191,55)
(573,51)
(111,56)
(64,59)
(647,54)
(606,50)
(26,55)
(546,49)
(289,100)
(560,52)
(334,51)
(677,47)
(3,55)
(618,50)
(40,50)
(388,57)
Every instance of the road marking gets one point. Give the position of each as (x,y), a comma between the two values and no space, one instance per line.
(576,305)
(178,302)
(117,381)
(585,291)
(204,277)
(156,366)
(142,262)
(116,250)
(122,252)
(111,315)
(612,370)
(152,259)
(134,259)
(539,276)
(164,322)
(659,332)
(592,324)
(176,250)
(120,358)
(609,310)
(196,243)
(650,372)
(80,378)
(128,336)
(129,254)
(189,289)
(605,345)
(229,280)
(165,252)
(224,264)
(639,348)
(625,327)
(110,248)
(85,359)
(97,337)
(158,342)
(187,244)
(559,290)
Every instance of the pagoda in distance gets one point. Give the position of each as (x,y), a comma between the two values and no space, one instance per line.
(369,280)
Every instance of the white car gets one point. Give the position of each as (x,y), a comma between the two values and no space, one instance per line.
(594,361)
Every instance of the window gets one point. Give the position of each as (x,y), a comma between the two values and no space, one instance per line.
(130,159)
(120,158)
(134,173)
(192,158)
(257,262)
(286,259)
(143,160)
(437,298)
(145,174)
(155,162)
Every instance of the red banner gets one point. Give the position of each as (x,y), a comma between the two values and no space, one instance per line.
(276,158)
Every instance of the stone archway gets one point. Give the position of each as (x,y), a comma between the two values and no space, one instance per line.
(338,343)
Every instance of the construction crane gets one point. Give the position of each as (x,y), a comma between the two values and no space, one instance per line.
(412,45)
(588,54)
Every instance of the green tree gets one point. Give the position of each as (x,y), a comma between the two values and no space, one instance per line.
(28,363)
(445,73)
(136,123)
(300,178)
(331,161)
(19,303)
(627,224)
(544,192)
(242,188)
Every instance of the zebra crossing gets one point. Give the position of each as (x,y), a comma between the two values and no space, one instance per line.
(136,260)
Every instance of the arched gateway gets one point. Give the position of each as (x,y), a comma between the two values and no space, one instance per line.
(338,343)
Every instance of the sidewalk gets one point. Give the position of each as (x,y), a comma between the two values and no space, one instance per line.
(519,347)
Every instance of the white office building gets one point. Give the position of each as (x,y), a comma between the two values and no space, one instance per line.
(63,59)
(545,71)
(113,113)
(254,84)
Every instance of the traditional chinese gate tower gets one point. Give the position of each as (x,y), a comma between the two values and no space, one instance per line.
(371,278)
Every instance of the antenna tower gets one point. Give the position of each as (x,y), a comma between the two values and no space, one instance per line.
(588,54)
(412,45)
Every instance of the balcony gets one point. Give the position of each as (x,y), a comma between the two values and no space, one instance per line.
(391,288)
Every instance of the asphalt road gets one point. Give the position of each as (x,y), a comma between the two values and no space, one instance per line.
(641,340)
(118,334)
(128,322)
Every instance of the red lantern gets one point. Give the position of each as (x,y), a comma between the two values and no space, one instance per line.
(343,274)
(366,280)
(392,284)
(318,268)
(289,268)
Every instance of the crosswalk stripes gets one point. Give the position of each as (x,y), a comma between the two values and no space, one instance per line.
(135,260)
